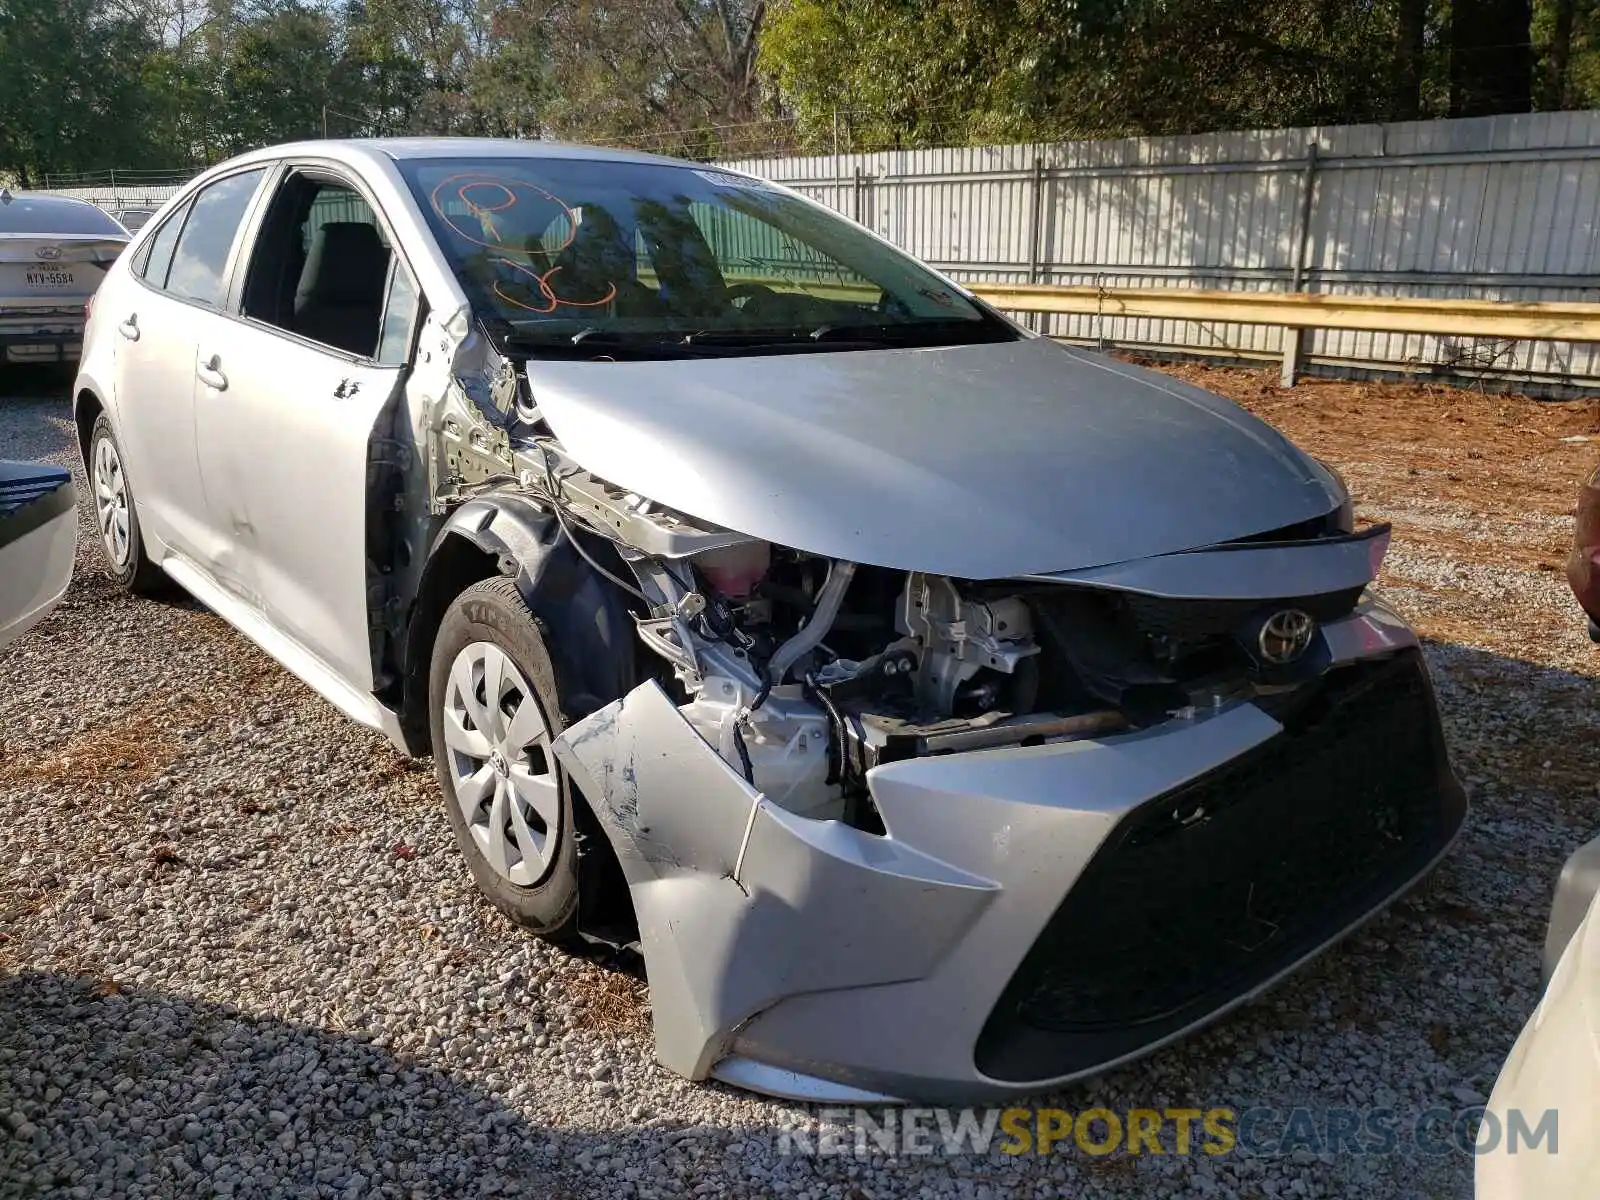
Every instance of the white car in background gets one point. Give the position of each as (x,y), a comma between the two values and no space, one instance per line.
(38,541)
(54,251)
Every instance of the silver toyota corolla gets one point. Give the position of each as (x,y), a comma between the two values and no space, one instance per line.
(944,712)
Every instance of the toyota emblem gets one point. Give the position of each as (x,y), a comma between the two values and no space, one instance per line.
(48,253)
(1285,636)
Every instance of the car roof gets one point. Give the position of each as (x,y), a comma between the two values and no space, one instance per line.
(404,148)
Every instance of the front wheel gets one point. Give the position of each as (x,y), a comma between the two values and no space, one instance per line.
(495,709)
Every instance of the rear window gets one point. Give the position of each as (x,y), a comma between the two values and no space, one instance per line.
(44,214)
(214,219)
(156,260)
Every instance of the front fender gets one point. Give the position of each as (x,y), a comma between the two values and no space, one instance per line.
(586,623)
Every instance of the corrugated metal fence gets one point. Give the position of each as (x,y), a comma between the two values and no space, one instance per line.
(1504,208)
(1500,208)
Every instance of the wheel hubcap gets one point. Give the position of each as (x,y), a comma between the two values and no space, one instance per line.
(111,502)
(498,747)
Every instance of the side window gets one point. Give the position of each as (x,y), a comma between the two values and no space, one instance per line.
(156,260)
(399,318)
(320,267)
(202,253)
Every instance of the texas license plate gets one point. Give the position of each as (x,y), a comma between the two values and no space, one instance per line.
(49,277)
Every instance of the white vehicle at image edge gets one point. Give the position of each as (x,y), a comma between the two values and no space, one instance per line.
(944,713)
(1555,1065)
(38,543)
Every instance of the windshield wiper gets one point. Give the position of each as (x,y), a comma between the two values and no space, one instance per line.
(890,334)
(798,340)
(595,341)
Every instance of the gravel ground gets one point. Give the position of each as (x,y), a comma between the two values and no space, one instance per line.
(239,955)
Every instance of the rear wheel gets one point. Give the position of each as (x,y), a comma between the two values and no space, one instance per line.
(117,517)
(495,710)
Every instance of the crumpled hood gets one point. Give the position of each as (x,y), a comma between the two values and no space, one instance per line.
(978,462)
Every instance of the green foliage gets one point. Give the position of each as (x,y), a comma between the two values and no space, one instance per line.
(71,97)
(90,84)
(916,73)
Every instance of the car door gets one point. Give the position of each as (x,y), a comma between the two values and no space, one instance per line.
(291,391)
(181,277)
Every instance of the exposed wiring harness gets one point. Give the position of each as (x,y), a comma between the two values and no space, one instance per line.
(744,755)
(553,494)
(838,741)
(631,589)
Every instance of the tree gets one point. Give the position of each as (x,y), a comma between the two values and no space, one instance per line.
(1491,57)
(905,73)
(1411,21)
(71,96)
(643,69)
(275,77)
(1559,35)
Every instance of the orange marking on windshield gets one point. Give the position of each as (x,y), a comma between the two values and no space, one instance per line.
(472,182)
(543,282)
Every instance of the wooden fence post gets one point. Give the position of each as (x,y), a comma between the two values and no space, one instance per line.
(1294,340)
(1037,321)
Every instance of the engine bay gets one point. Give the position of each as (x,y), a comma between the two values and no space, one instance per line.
(804,672)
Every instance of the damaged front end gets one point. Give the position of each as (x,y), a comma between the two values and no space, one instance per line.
(896,833)
(1061,822)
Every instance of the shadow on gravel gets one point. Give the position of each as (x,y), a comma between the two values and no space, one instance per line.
(36,413)
(49,382)
(105,1091)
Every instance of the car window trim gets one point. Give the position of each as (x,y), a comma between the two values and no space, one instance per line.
(336,173)
(187,206)
(141,256)
(419,306)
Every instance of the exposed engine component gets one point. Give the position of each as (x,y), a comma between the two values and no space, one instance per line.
(782,746)
(734,571)
(817,626)
(618,514)
(960,637)
(805,672)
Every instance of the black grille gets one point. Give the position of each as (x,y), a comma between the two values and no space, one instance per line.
(1196,620)
(1217,886)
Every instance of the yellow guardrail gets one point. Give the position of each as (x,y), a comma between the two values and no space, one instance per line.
(1543,320)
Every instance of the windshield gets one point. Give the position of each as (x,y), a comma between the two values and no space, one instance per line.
(595,258)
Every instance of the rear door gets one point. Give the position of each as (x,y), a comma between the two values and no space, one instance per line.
(183,273)
(291,391)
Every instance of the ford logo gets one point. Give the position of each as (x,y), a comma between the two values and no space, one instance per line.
(1285,636)
(48,253)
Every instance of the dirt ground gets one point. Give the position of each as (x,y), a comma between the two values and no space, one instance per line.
(214,883)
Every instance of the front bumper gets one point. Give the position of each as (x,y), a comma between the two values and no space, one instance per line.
(1035,914)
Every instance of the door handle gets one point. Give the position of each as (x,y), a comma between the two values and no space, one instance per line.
(130,328)
(210,374)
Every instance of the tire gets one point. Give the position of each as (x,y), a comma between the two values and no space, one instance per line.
(117,516)
(492,777)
